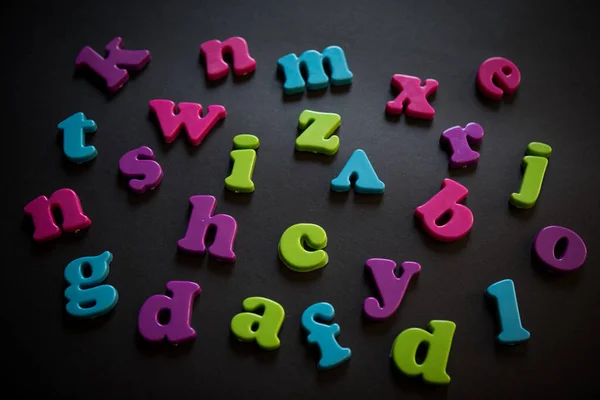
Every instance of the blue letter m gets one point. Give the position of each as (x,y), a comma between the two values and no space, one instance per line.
(314,61)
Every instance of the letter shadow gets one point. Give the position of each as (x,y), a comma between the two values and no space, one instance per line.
(153,349)
(337,90)
(565,279)
(309,156)
(100,84)
(291,98)
(195,261)
(411,121)
(73,169)
(83,325)
(491,104)
(358,198)
(252,349)
(458,172)
(313,355)
(519,349)
(523,214)
(44,248)
(311,94)
(297,277)
(132,197)
(165,147)
(437,245)
(416,384)
(381,327)
(236,198)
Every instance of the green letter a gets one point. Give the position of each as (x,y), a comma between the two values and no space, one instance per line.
(249,326)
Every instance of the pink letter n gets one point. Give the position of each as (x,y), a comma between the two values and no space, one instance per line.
(40,210)
(216,67)
(200,220)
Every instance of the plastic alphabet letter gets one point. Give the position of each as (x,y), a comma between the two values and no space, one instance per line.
(40,210)
(458,140)
(140,163)
(535,164)
(244,158)
(74,129)
(358,166)
(508,311)
(332,354)
(87,298)
(267,325)
(179,305)
(433,368)
(295,256)
(189,116)
(318,134)
(446,201)
(313,61)
(217,68)
(201,219)
(413,96)
(498,76)
(391,288)
(114,67)
(545,243)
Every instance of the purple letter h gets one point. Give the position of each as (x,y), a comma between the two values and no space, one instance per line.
(200,220)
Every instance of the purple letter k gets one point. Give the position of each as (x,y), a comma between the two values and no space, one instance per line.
(114,67)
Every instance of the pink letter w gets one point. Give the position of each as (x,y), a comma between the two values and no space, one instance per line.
(189,115)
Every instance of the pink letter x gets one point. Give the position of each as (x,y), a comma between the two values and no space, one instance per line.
(413,95)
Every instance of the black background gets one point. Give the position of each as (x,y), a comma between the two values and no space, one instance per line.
(553,44)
